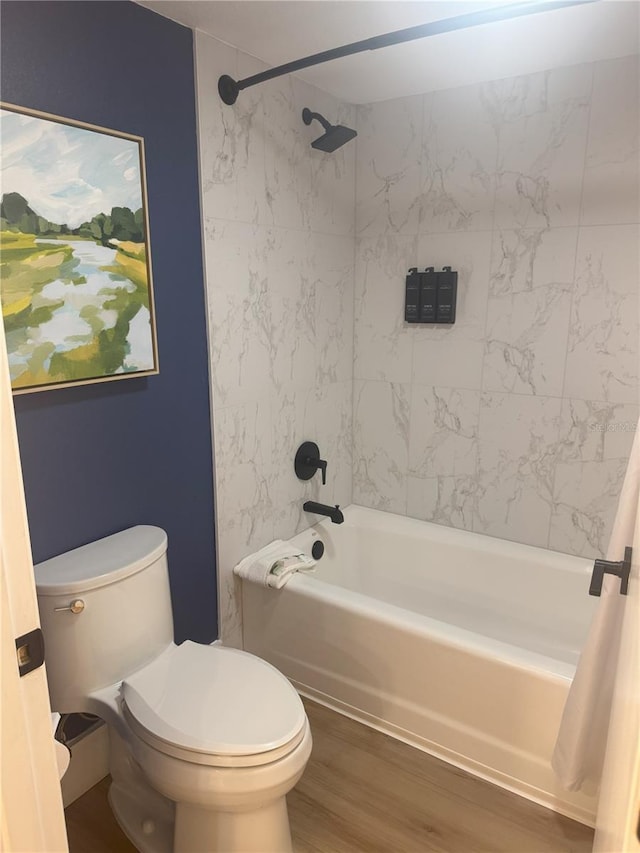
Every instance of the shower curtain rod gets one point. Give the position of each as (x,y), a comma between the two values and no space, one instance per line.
(229,88)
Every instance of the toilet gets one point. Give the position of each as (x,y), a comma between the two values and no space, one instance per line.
(205,742)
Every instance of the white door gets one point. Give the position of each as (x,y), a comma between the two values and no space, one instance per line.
(618,820)
(30,799)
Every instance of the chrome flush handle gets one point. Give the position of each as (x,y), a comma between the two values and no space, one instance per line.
(76,606)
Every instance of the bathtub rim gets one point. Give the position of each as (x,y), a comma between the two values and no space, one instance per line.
(356,515)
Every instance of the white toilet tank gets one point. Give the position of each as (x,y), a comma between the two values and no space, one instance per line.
(105,611)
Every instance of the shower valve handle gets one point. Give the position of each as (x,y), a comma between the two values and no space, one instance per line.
(322,465)
(318,465)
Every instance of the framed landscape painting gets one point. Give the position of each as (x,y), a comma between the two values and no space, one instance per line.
(75,266)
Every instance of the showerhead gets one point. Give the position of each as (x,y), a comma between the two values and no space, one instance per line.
(334,136)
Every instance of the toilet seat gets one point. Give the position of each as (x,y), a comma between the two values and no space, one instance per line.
(213,705)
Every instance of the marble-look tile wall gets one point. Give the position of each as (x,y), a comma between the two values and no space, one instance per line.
(518,420)
(278,219)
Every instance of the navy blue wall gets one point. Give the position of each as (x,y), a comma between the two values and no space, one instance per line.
(99,458)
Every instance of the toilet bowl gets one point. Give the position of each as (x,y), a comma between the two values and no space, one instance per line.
(205,741)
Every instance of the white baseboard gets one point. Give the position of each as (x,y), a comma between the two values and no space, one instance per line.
(89,764)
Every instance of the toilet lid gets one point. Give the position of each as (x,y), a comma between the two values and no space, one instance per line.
(214,700)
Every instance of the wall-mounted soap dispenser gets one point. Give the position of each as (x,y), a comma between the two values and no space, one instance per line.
(430,296)
(308,461)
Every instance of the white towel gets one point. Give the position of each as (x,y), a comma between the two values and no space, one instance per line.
(274,564)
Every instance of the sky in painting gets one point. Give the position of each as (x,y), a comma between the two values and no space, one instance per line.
(67,174)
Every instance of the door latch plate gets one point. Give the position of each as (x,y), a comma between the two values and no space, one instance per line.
(30,651)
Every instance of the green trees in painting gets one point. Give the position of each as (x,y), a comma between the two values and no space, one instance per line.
(121,224)
(16,215)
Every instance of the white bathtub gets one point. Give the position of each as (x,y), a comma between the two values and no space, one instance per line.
(458,643)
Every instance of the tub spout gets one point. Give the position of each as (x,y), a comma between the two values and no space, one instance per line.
(333,512)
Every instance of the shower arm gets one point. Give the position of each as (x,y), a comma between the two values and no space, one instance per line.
(308,117)
(229,89)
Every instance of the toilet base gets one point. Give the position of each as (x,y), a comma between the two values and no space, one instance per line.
(154,823)
(144,815)
(149,828)
(263,830)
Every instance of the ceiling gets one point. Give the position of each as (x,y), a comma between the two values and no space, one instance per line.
(278,31)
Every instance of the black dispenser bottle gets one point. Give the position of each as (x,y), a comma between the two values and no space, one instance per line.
(412,296)
(447,292)
(428,295)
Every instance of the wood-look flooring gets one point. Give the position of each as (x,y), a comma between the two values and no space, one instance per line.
(364,792)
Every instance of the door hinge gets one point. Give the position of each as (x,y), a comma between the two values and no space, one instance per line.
(602,567)
(30,651)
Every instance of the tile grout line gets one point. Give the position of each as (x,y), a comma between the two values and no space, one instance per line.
(563,399)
